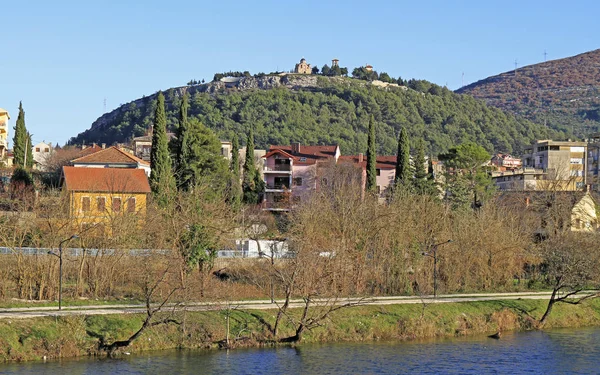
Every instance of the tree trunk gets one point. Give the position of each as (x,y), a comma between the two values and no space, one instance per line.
(551,303)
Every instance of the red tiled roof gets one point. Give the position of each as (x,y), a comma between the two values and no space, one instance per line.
(111,155)
(310,153)
(112,180)
(383,162)
(90,150)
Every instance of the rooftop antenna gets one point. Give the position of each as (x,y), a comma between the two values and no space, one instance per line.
(516,64)
(545,54)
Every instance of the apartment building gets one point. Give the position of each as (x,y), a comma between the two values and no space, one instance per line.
(562,164)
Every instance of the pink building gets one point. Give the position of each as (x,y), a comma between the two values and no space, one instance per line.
(291,173)
(386,170)
(507,161)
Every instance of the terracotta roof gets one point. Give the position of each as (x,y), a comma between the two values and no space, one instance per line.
(111,155)
(112,180)
(4,112)
(383,162)
(307,154)
(90,150)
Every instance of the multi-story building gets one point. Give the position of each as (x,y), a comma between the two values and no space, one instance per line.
(4,117)
(96,196)
(385,171)
(593,162)
(290,173)
(41,152)
(563,164)
(506,161)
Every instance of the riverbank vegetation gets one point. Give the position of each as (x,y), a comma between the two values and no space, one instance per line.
(63,337)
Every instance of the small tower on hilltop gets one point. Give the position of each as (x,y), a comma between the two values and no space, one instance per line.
(335,62)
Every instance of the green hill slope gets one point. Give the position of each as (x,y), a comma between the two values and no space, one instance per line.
(325,110)
(564,94)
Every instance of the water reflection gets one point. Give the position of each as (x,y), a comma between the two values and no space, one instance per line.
(560,351)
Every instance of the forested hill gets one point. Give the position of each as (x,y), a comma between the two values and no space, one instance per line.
(327,110)
(564,94)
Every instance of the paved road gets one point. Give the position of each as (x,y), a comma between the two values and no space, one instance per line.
(35,311)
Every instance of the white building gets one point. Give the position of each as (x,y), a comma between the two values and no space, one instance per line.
(41,152)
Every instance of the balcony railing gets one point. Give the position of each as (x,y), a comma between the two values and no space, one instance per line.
(278,168)
(277,186)
(276,205)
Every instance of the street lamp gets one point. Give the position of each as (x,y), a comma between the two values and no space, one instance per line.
(60,262)
(433,254)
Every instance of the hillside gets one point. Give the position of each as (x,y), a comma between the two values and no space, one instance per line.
(564,94)
(326,110)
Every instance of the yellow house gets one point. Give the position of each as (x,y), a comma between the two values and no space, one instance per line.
(96,196)
(4,117)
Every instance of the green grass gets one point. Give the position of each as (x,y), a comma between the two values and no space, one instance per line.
(56,337)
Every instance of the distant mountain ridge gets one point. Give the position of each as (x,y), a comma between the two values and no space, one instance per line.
(322,110)
(563,94)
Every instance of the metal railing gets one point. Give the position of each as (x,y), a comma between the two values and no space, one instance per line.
(278,168)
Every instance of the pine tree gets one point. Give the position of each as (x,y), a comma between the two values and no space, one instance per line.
(371,158)
(250,184)
(162,180)
(403,174)
(203,159)
(235,188)
(20,139)
(29,161)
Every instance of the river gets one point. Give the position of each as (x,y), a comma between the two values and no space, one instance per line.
(565,351)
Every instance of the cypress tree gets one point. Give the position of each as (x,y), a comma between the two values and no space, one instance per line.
(162,181)
(403,160)
(249,183)
(29,161)
(235,188)
(19,139)
(371,158)
(182,133)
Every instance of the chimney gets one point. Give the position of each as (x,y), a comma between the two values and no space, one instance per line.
(83,146)
(104,145)
(361,157)
(94,145)
(296,147)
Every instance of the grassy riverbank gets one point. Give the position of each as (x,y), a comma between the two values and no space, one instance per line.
(56,337)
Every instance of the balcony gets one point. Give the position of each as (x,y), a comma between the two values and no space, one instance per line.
(276,206)
(278,168)
(276,188)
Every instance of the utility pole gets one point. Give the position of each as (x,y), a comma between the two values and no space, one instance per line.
(463,80)
(545,54)
(516,64)
(104,105)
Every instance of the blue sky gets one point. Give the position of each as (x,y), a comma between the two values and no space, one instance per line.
(63,58)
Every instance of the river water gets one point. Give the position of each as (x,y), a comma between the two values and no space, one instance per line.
(573,351)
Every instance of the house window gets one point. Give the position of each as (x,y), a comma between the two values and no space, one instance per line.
(131,205)
(116,204)
(85,204)
(378,172)
(101,204)
(302,159)
(46,149)
(37,149)
(298,181)
(324,181)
